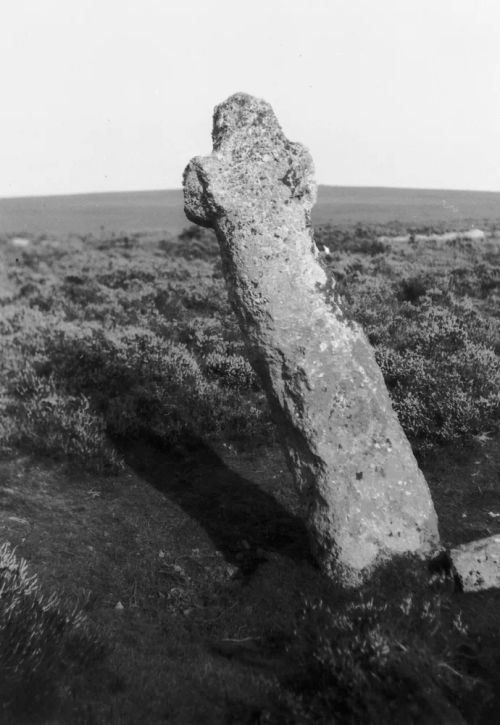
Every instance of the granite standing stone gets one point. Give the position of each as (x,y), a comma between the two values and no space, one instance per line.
(367,500)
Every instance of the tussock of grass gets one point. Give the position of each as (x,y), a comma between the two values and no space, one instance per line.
(44,646)
(373,662)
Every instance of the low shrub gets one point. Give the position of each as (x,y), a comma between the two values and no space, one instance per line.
(412,289)
(480,281)
(371,663)
(437,354)
(358,240)
(233,371)
(443,376)
(58,425)
(142,385)
(44,645)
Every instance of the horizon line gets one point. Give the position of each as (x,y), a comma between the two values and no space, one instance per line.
(179,189)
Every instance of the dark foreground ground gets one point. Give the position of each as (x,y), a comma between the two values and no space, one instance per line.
(205,554)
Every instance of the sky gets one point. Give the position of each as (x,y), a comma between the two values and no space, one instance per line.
(112,95)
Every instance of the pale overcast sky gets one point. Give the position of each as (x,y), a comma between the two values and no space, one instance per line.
(103,95)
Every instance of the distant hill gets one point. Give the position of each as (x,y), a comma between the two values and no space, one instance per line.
(379,205)
(124,211)
(163,210)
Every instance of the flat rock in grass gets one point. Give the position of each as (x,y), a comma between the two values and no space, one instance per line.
(477,564)
(367,500)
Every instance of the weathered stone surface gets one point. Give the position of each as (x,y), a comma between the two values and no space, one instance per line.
(477,564)
(366,497)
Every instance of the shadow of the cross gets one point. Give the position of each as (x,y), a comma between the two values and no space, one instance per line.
(243,521)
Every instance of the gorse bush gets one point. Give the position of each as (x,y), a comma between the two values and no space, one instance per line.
(44,646)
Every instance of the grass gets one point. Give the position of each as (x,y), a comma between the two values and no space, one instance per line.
(140,478)
(45,646)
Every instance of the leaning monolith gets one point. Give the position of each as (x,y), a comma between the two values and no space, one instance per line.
(367,500)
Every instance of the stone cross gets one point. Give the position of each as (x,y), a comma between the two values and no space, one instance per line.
(365,496)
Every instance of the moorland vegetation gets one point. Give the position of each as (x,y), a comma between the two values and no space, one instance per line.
(108,343)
